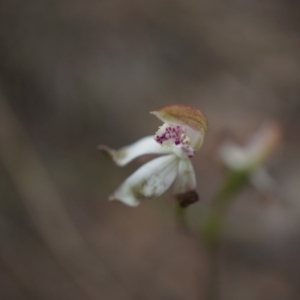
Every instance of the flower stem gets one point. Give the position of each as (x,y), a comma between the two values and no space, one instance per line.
(181,218)
(212,228)
(184,200)
(221,204)
(213,278)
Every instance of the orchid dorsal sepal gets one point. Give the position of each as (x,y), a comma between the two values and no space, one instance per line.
(183,115)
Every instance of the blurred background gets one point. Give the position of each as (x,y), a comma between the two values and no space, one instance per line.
(75,74)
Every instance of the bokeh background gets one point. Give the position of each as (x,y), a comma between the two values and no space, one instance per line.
(75,74)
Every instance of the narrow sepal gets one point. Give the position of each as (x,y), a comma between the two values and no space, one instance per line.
(123,156)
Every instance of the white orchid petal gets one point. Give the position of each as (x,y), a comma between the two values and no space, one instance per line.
(146,145)
(255,152)
(149,181)
(196,137)
(186,179)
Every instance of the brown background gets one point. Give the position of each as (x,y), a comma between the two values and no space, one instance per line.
(81,73)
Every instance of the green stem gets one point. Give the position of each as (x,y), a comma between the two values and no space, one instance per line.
(212,229)
(221,204)
(181,218)
(213,278)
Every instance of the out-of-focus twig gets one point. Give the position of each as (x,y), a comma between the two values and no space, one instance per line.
(181,218)
(222,202)
(211,232)
(45,207)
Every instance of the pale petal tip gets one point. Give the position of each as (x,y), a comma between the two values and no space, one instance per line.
(184,115)
(132,204)
(116,156)
(106,151)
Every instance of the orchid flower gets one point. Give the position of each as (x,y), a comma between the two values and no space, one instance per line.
(252,156)
(176,140)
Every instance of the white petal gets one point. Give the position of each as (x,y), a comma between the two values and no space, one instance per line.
(149,181)
(255,152)
(196,137)
(186,179)
(146,145)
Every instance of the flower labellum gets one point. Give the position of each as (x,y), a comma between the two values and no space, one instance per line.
(176,140)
